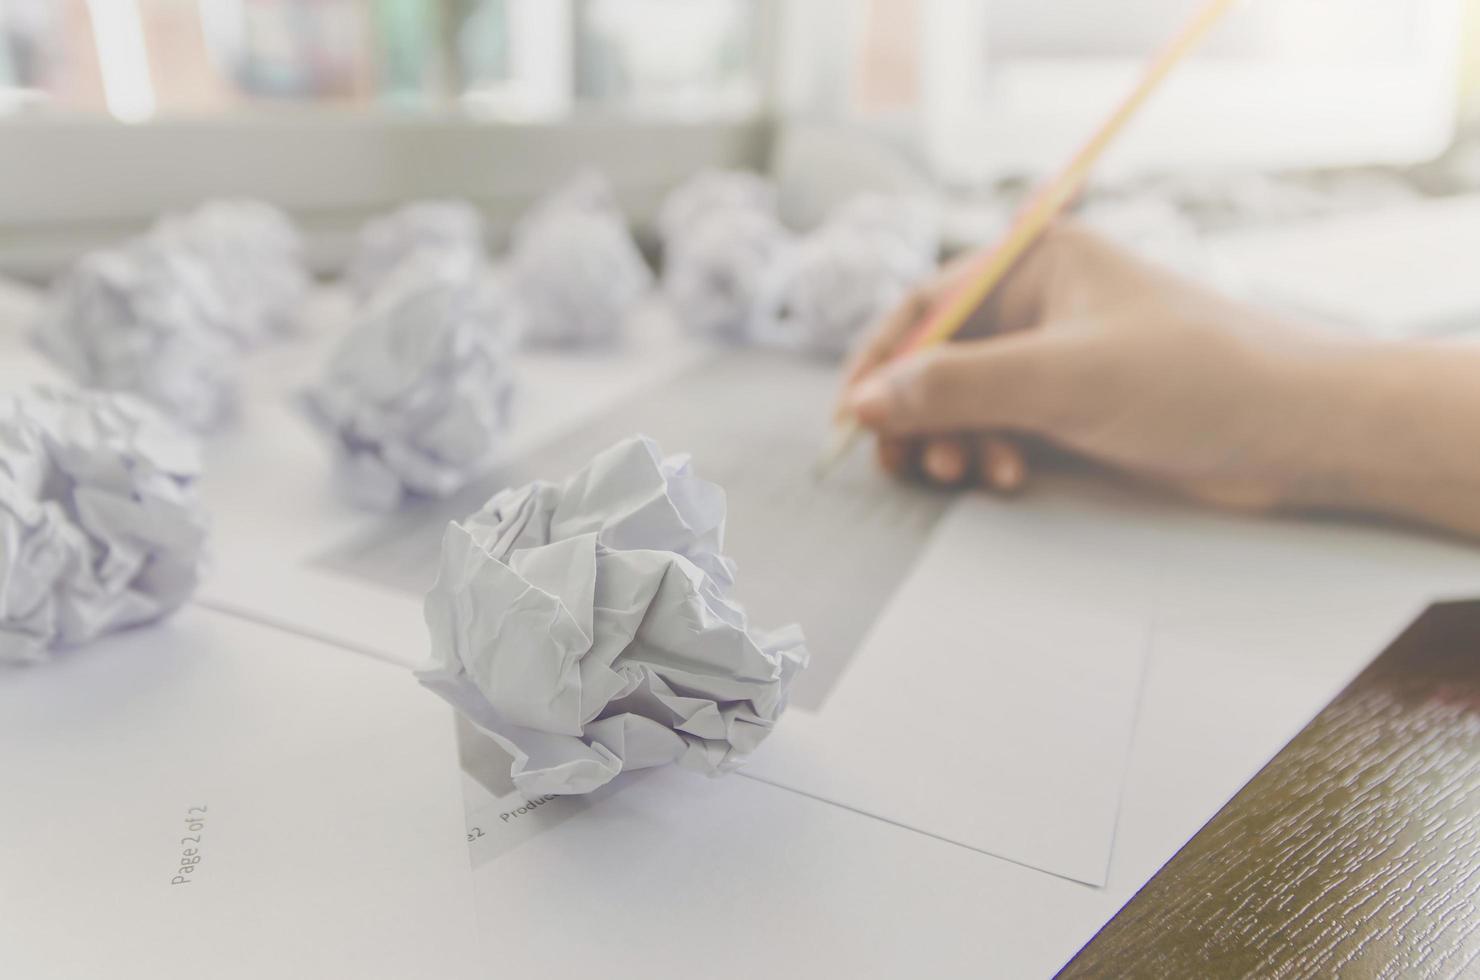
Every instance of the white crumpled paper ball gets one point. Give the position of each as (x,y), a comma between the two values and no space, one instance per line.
(726,275)
(841,284)
(574,268)
(148,318)
(418,392)
(100,528)
(852,271)
(587,627)
(450,230)
(911,222)
(588,191)
(711,192)
(256,257)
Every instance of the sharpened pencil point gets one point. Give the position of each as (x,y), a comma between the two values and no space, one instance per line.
(845,435)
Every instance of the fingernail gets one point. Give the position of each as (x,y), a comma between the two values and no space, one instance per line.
(944,463)
(1007,471)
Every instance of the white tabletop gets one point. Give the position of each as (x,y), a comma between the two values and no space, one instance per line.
(1250,626)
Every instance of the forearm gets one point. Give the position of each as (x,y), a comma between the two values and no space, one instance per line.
(1399,429)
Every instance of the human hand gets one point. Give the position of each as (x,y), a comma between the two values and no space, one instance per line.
(1088,350)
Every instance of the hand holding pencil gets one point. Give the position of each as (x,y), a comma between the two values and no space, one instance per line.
(875,374)
(953,307)
(1088,350)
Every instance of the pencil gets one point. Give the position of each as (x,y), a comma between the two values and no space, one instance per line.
(948,316)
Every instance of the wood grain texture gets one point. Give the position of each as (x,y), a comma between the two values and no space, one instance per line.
(1354,853)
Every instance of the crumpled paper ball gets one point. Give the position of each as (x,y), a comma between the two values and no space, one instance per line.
(727,275)
(451,230)
(853,270)
(911,222)
(418,392)
(256,257)
(589,191)
(711,192)
(100,528)
(842,282)
(587,627)
(148,318)
(574,268)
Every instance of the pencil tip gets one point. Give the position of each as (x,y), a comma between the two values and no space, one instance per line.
(845,434)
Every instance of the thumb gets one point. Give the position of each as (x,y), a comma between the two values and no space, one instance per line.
(993,383)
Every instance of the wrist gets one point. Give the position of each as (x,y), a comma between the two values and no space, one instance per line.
(1387,428)
(1329,394)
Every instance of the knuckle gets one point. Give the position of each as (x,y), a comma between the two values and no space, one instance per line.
(1059,237)
(933,371)
(1070,246)
(917,300)
(931,392)
(1067,235)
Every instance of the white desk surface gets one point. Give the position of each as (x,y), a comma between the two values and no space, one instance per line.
(1394,271)
(1257,625)
(211,797)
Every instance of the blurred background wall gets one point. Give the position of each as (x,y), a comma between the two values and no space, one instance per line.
(112,110)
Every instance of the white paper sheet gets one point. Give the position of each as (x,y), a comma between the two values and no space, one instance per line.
(1008,732)
(961,693)
(993,702)
(1259,625)
(1220,560)
(312,794)
(863,899)
(1038,613)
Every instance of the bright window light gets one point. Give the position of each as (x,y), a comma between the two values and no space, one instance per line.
(123,60)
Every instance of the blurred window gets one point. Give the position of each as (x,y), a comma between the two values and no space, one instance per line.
(986,89)
(668,56)
(46,54)
(1334,32)
(517,59)
(283,49)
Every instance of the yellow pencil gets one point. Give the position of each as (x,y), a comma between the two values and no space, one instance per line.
(946,319)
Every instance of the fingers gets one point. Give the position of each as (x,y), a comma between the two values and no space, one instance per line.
(898,456)
(1063,275)
(1039,285)
(885,338)
(948,460)
(997,383)
(992,462)
(1001,465)
(1022,297)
